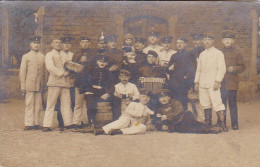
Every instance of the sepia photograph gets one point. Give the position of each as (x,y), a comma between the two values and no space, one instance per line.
(129,83)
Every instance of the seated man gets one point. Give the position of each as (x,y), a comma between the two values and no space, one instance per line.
(134,120)
(172,118)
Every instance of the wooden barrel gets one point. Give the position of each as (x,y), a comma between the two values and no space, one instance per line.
(104,114)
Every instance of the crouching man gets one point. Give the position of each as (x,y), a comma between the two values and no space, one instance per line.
(134,120)
(172,118)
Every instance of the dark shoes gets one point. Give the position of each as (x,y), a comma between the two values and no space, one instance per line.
(221,118)
(115,132)
(37,127)
(99,132)
(46,129)
(28,128)
(235,127)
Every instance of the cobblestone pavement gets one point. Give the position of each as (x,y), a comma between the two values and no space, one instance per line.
(159,149)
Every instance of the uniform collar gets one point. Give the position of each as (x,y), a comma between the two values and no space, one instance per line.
(55,51)
(34,52)
(211,48)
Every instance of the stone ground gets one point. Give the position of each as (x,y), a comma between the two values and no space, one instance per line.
(70,149)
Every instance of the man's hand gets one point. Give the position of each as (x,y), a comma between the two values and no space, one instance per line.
(230,69)
(196,87)
(105,96)
(171,68)
(164,127)
(65,73)
(113,68)
(216,85)
(164,118)
(97,87)
(83,59)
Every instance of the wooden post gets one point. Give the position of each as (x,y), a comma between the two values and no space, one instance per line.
(39,31)
(253,68)
(172,28)
(5,37)
(119,21)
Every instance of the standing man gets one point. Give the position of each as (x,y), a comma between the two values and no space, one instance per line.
(85,57)
(235,65)
(153,40)
(115,57)
(181,71)
(166,53)
(32,75)
(66,45)
(140,55)
(209,75)
(58,86)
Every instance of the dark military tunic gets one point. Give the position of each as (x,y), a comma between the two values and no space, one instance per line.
(140,58)
(152,70)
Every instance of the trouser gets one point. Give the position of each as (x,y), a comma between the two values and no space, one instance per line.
(33,106)
(153,103)
(195,107)
(78,109)
(57,107)
(181,94)
(53,94)
(211,98)
(92,100)
(124,124)
(230,96)
(116,107)
(189,125)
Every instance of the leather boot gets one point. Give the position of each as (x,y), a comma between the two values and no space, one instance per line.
(221,118)
(208,117)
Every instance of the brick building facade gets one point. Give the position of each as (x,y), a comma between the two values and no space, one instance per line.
(172,18)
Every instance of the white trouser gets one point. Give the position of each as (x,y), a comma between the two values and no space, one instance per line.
(211,98)
(33,106)
(124,124)
(53,94)
(78,109)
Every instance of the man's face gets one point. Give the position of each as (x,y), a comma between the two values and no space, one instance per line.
(101,45)
(102,63)
(208,42)
(129,42)
(152,40)
(227,42)
(166,46)
(124,79)
(181,44)
(144,99)
(56,44)
(164,99)
(196,43)
(151,59)
(130,56)
(139,46)
(111,44)
(84,44)
(66,47)
(35,46)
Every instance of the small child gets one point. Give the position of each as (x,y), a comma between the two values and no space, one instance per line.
(128,43)
(32,74)
(124,92)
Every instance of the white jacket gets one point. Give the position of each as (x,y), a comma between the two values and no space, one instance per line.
(211,67)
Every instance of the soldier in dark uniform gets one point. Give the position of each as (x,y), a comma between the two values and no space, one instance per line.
(198,47)
(115,57)
(181,70)
(95,85)
(101,45)
(235,65)
(152,70)
(172,118)
(140,55)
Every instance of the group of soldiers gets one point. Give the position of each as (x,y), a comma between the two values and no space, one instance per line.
(113,75)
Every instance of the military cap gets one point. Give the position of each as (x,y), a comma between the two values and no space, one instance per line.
(163,92)
(144,91)
(140,39)
(66,39)
(228,34)
(110,38)
(35,39)
(102,58)
(57,38)
(128,36)
(84,38)
(151,52)
(124,72)
(101,38)
(197,36)
(208,35)
(167,39)
(153,32)
(127,49)
(182,39)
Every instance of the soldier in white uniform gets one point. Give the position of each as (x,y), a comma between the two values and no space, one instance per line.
(58,86)
(166,53)
(210,72)
(32,74)
(133,120)
(153,40)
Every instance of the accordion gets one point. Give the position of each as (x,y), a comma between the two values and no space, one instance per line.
(72,66)
(152,84)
